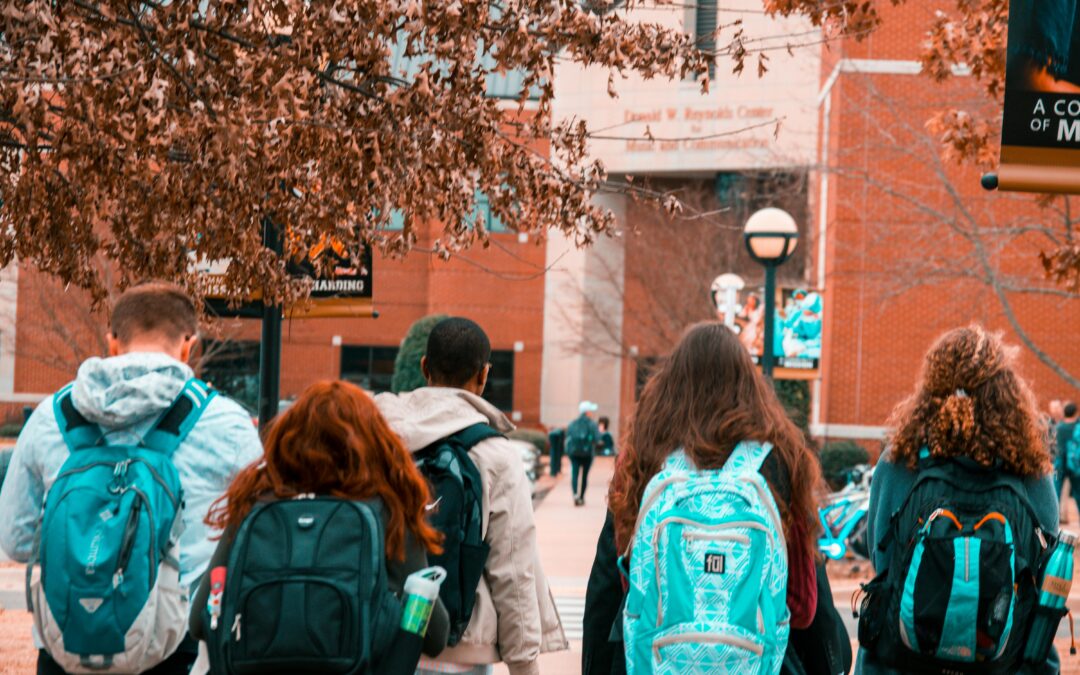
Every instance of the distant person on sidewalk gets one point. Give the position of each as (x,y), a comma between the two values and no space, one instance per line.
(963,491)
(606,445)
(716,487)
(582,436)
(1067,455)
(142,404)
(511,615)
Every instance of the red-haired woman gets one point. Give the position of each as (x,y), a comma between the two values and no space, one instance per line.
(333,442)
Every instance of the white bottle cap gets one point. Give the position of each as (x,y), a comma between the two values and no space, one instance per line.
(425,583)
(1066,537)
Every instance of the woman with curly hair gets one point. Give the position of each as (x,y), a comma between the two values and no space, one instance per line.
(975,419)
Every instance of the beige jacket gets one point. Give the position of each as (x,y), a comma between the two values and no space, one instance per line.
(514,618)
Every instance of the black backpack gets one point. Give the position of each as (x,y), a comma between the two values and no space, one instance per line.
(960,591)
(306,591)
(457,512)
(581,438)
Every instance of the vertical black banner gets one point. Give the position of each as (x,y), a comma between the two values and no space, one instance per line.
(1040,133)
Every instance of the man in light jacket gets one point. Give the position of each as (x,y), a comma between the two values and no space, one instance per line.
(153,328)
(514,619)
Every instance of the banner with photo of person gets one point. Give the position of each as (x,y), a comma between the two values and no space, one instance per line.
(796,332)
(1040,131)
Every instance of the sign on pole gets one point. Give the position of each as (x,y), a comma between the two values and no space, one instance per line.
(1040,132)
(345,294)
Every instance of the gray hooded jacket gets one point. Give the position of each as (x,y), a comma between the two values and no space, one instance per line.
(125,395)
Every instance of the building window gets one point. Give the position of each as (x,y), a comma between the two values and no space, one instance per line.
(232,367)
(370,368)
(705,30)
(645,367)
(500,385)
(483,214)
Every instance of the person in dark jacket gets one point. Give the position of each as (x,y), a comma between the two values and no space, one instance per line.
(334,441)
(970,405)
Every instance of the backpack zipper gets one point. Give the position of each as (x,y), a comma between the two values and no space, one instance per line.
(235,630)
(116,467)
(709,638)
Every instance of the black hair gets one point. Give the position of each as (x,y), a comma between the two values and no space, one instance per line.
(604,422)
(1070,409)
(457,350)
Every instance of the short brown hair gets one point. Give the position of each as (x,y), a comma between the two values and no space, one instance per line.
(154,308)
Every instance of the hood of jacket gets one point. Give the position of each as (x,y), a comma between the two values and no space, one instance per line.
(426,415)
(124,390)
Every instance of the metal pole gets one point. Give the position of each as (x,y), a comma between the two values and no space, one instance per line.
(767,355)
(270,347)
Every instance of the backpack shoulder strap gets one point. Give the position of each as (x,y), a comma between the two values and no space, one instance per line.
(470,436)
(177,422)
(747,457)
(79,433)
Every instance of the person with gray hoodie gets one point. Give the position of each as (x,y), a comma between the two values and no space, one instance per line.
(514,618)
(153,328)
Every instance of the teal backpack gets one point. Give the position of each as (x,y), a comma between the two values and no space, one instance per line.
(708,571)
(104,580)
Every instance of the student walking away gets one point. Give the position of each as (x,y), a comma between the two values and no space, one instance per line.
(962,517)
(582,436)
(320,537)
(130,457)
(606,444)
(714,530)
(1067,438)
(498,599)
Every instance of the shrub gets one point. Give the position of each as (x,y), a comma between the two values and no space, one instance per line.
(407,373)
(838,458)
(10,430)
(534,436)
(795,397)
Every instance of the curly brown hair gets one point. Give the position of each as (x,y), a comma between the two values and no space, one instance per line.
(706,398)
(970,402)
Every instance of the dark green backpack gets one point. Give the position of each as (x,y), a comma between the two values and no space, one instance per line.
(581,438)
(457,512)
(306,591)
(960,591)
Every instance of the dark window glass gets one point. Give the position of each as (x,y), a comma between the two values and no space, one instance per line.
(500,384)
(232,367)
(705,30)
(646,366)
(370,368)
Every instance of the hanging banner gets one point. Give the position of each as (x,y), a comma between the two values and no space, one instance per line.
(346,294)
(797,328)
(1040,132)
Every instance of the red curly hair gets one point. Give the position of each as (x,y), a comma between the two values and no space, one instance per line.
(970,402)
(334,441)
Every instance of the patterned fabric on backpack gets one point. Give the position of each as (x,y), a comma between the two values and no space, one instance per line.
(708,571)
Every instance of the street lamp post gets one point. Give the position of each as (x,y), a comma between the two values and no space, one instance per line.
(770,236)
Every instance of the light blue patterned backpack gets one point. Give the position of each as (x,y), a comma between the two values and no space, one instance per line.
(104,580)
(708,572)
